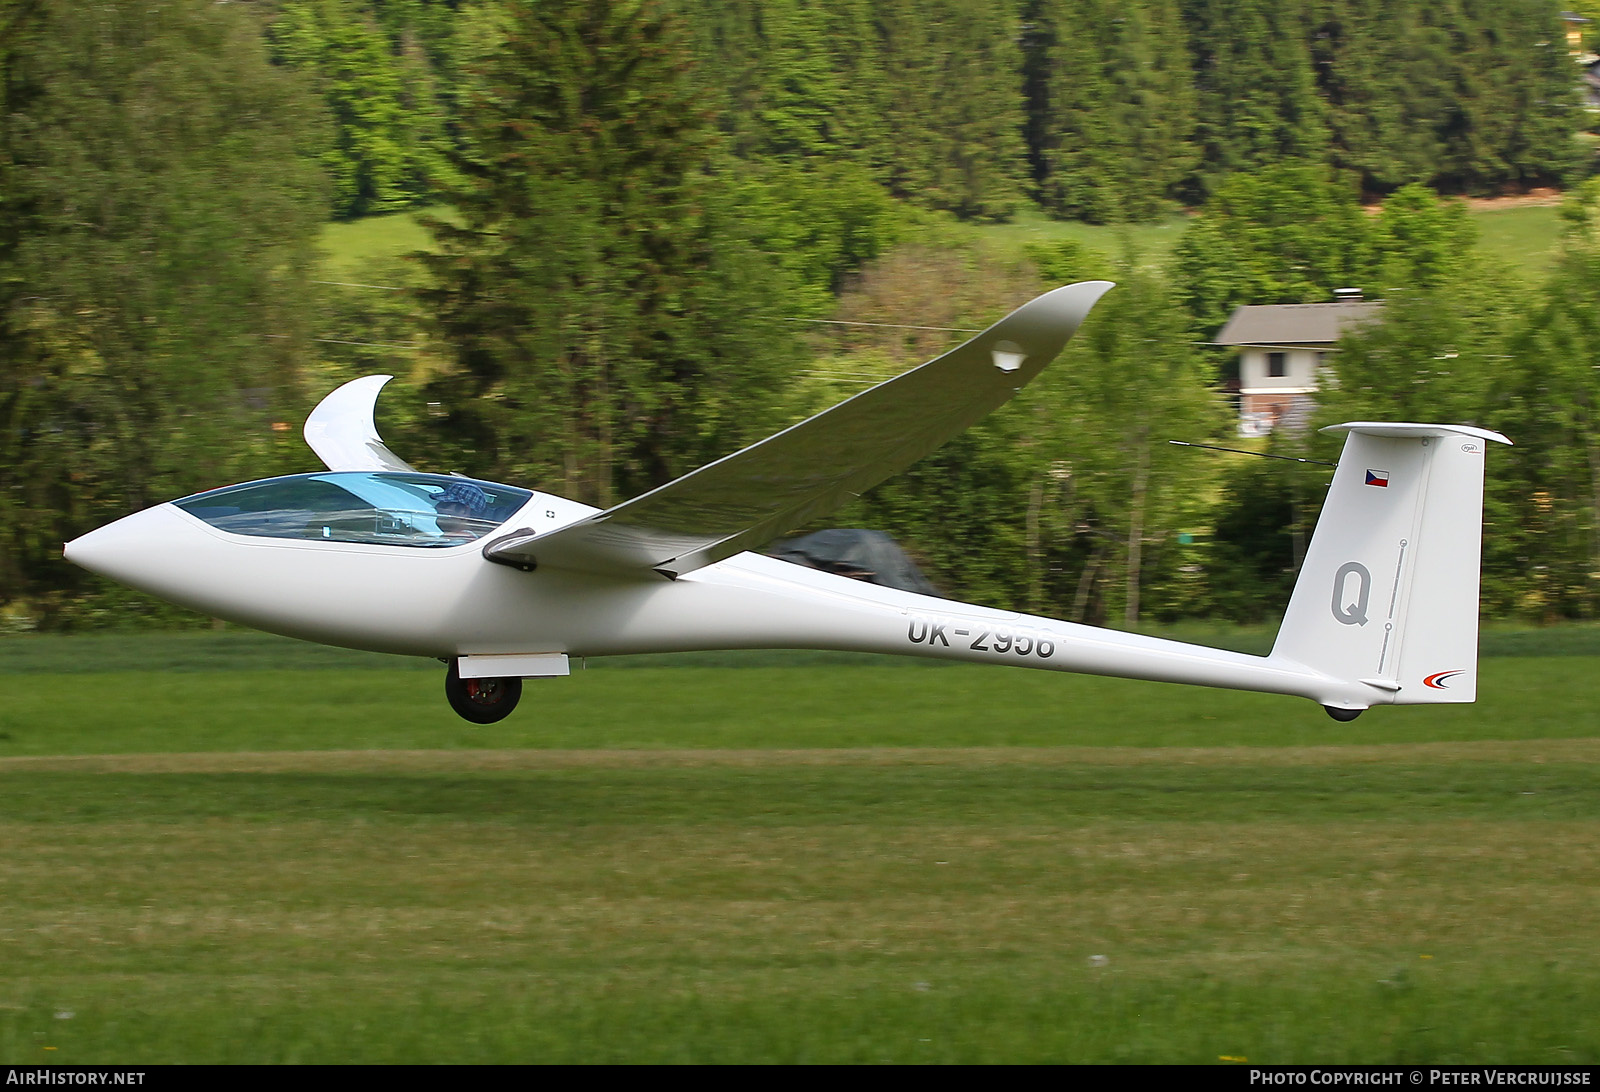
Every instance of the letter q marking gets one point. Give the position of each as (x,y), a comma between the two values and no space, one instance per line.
(1355,614)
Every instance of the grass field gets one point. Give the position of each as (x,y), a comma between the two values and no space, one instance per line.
(225,847)
(1524,236)
(1527,237)
(351,247)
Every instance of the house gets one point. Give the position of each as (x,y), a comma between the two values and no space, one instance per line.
(1590,82)
(1575,27)
(1282,348)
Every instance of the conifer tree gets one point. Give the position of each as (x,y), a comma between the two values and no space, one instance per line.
(389,144)
(1512,107)
(1110,107)
(1384,71)
(604,311)
(953,113)
(797,78)
(1256,92)
(1466,97)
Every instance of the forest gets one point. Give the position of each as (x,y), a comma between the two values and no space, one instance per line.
(656,229)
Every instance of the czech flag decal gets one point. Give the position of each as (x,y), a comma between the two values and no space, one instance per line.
(1379,478)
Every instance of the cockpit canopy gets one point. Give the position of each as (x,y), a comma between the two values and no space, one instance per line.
(376,507)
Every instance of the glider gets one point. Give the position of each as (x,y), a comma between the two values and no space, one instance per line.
(503,583)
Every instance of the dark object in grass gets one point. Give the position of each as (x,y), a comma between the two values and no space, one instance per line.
(861,555)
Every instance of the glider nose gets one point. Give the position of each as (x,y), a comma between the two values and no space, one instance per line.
(135,550)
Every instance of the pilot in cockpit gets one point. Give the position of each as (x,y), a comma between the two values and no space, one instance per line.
(461,507)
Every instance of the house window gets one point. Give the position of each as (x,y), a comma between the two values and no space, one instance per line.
(1277,365)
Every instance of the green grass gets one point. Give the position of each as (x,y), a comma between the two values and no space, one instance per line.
(224,847)
(1149,244)
(240,691)
(351,246)
(952,906)
(1526,237)
(233,691)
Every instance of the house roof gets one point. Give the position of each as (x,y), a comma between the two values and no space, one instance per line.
(1296,323)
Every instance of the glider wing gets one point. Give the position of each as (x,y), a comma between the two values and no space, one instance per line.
(746,499)
(342,433)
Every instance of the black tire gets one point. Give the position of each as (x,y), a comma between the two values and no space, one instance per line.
(1343,716)
(482,701)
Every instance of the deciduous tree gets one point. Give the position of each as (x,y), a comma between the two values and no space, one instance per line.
(157,210)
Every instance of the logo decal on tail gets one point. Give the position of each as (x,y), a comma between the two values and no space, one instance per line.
(1437,681)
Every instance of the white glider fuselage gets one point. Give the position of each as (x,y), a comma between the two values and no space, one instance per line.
(453,602)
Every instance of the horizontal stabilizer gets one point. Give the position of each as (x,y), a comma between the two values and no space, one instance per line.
(747,499)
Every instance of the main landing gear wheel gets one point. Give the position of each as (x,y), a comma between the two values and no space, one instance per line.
(482,701)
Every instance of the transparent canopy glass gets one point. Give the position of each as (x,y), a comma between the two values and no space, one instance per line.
(382,508)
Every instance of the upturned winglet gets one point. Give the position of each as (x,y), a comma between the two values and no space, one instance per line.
(342,432)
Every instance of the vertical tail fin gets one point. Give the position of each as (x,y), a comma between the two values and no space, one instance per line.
(1388,594)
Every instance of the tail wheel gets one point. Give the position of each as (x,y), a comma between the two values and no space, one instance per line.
(482,701)
(1344,716)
